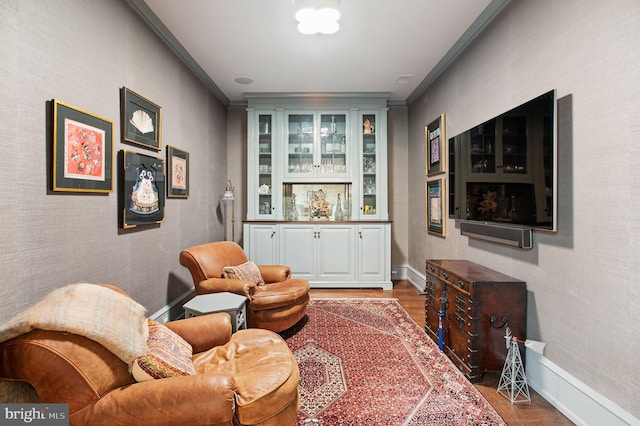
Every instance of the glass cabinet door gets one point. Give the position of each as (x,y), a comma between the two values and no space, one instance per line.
(317,145)
(370,184)
(265,165)
(300,144)
(333,144)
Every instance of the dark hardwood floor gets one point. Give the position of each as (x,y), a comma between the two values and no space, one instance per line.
(539,412)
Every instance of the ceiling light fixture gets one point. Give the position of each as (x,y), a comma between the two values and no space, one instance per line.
(318,16)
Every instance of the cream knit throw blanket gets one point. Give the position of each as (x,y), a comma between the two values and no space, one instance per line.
(112,319)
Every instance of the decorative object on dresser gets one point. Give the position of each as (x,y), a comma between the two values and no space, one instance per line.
(476,303)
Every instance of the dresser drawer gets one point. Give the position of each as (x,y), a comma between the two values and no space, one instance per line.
(433,269)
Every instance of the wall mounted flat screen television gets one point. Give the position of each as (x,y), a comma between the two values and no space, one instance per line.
(504,171)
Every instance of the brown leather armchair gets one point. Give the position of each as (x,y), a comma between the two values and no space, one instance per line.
(276,305)
(248,378)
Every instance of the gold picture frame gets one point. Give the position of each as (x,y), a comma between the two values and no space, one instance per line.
(141,121)
(435,144)
(82,150)
(436,221)
(177,173)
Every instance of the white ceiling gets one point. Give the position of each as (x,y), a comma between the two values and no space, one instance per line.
(379,42)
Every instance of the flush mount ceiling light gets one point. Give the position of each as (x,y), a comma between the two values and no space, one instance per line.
(318,16)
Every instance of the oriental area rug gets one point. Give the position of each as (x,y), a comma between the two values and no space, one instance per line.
(367,362)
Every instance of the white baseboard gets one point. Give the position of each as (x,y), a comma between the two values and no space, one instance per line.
(173,310)
(406,272)
(581,404)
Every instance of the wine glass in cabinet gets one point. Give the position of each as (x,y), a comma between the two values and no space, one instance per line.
(317,145)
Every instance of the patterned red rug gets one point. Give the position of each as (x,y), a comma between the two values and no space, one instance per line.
(366,361)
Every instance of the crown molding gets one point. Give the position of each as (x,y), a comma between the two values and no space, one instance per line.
(488,14)
(152,20)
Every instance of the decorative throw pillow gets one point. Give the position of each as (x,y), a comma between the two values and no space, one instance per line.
(247,271)
(169,355)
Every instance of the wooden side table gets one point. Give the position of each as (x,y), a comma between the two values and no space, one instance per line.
(231,303)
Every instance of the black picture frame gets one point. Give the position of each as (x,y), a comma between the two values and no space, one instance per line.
(141,120)
(142,189)
(82,150)
(435,144)
(177,173)
(435,197)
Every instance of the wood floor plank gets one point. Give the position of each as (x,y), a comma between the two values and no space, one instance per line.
(539,412)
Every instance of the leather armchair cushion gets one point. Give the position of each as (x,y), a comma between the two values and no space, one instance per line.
(280,294)
(169,355)
(253,357)
(246,271)
(275,273)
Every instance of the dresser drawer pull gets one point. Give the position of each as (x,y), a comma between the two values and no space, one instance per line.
(432,268)
(460,283)
(460,301)
(445,275)
(493,321)
(472,334)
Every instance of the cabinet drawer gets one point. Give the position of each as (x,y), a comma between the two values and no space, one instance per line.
(433,269)
(445,275)
(460,284)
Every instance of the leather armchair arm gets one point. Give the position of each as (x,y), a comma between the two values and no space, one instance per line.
(274,273)
(218,285)
(188,400)
(203,332)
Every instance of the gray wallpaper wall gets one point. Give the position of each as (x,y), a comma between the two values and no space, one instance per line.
(583,290)
(82,52)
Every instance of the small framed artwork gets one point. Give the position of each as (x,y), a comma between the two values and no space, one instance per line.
(436,222)
(434,136)
(142,195)
(178,173)
(141,120)
(82,154)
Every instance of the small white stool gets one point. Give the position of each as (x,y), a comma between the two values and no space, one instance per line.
(231,303)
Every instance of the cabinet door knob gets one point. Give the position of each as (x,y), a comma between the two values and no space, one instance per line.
(273,233)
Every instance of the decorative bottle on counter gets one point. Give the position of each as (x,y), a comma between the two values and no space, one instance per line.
(293,213)
(339,215)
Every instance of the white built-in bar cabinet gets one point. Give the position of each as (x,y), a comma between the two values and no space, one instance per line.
(317,187)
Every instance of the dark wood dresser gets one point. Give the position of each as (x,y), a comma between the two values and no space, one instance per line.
(477,304)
